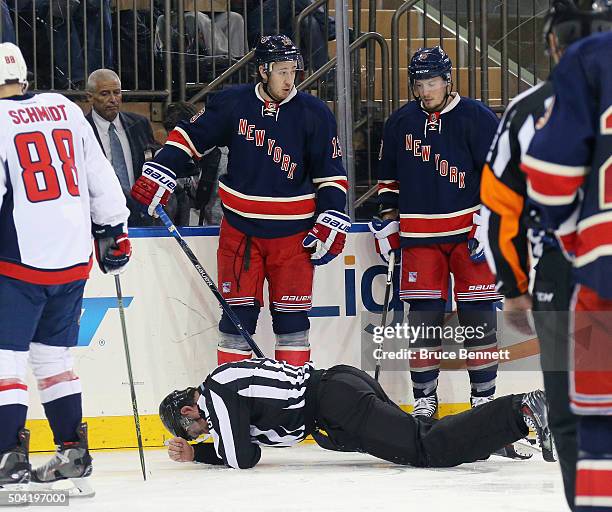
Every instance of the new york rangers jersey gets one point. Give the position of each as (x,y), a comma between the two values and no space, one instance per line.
(430,167)
(284,160)
(569,161)
(54,180)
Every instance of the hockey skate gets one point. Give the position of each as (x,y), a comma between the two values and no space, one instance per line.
(71,462)
(15,466)
(426,406)
(535,413)
(510,451)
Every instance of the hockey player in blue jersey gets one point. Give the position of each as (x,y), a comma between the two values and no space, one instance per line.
(431,158)
(284,171)
(569,169)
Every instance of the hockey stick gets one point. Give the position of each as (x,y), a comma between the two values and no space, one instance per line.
(209,282)
(383,322)
(130,377)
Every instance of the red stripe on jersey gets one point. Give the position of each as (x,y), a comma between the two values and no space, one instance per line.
(177,137)
(45,277)
(436,225)
(593,482)
(270,208)
(342,183)
(594,236)
(393,186)
(550,185)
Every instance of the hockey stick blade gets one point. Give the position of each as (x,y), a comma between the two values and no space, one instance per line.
(159,210)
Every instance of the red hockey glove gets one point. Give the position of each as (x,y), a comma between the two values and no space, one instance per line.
(327,236)
(386,237)
(154,186)
(113,248)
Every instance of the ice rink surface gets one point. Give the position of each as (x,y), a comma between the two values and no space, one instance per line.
(308,478)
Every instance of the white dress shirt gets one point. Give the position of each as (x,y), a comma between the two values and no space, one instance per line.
(103,125)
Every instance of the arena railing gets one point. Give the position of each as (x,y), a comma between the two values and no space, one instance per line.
(486,43)
(65,40)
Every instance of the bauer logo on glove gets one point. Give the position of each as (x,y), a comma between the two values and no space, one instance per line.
(154,186)
(327,237)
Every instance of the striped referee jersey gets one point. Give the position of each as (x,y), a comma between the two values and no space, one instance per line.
(257,402)
(503,190)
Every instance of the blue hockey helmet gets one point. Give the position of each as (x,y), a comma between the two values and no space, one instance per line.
(429,63)
(571,20)
(277,48)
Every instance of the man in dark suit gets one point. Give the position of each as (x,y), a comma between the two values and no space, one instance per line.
(126,138)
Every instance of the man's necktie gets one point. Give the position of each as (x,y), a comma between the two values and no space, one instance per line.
(118,159)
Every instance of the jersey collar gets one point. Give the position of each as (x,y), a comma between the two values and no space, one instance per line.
(292,94)
(453,103)
(20,97)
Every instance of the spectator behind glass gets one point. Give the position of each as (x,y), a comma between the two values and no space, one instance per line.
(61,26)
(94,17)
(125,137)
(217,31)
(8,30)
(312,30)
(198,189)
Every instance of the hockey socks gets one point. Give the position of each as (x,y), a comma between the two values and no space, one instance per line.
(64,415)
(425,369)
(231,355)
(297,356)
(12,419)
(594,468)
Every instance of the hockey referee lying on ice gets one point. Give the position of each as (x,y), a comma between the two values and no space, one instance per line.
(265,402)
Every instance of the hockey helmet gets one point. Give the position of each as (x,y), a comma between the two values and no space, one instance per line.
(170,412)
(429,63)
(571,20)
(277,48)
(13,69)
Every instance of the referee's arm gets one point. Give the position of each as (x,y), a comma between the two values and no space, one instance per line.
(231,423)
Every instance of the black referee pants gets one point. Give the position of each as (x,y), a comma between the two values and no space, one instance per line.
(551,300)
(358,415)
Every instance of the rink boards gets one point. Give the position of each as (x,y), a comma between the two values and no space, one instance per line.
(172,319)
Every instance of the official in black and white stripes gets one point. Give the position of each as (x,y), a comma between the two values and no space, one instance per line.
(244,405)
